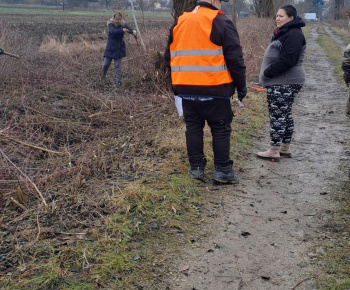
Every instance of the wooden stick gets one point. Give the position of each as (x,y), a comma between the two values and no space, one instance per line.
(15,202)
(39,229)
(29,145)
(20,171)
(301,281)
(10,54)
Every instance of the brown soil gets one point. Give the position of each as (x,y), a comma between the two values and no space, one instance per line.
(265,232)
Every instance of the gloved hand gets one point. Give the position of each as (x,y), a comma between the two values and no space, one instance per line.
(2,51)
(242,94)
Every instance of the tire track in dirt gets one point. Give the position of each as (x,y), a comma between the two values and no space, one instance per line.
(337,39)
(265,227)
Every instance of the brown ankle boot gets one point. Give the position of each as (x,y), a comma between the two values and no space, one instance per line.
(285,151)
(273,154)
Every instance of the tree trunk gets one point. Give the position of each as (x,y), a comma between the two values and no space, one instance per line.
(181,6)
(264,8)
(338,5)
(234,12)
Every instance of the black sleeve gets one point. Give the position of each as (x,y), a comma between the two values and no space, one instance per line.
(167,50)
(291,48)
(128,27)
(225,34)
(345,65)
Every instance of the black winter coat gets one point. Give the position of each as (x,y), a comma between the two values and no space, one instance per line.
(283,58)
(115,47)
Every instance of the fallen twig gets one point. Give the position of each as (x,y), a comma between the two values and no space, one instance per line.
(18,204)
(39,229)
(29,145)
(65,233)
(301,281)
(86,260)
(24,175)
(8,54)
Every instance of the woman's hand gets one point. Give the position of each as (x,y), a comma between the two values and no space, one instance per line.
(125,30)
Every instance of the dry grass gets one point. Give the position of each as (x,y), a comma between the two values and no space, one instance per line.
(86,167)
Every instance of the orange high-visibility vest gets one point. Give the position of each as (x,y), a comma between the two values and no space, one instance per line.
(194,59)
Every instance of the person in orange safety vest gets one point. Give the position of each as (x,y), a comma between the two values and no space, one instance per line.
(206,64)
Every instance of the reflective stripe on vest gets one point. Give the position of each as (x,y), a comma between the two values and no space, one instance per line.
(195,60)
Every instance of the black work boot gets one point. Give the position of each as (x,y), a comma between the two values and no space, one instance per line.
(347,110)
(225,175)
(196,172)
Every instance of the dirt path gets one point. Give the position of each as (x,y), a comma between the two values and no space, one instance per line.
(264,229)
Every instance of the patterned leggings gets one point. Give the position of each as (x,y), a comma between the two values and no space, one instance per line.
(280,100)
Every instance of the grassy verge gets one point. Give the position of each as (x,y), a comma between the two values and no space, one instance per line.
(334,266)
(343,33)
(306,29)
(132,247)
(332,50)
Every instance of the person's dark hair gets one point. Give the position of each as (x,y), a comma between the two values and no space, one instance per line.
(290,10)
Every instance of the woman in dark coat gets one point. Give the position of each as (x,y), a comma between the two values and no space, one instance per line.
(115,48)
(283,75)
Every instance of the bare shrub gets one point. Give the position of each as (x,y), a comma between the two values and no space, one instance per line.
(73,147)
(255,35)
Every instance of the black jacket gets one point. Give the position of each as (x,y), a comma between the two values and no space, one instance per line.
(223,34)
(283,58)
(345,65)
(115,47)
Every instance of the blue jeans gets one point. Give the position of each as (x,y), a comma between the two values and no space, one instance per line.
(117,65)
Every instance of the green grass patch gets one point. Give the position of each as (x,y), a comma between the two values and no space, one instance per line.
(306,29)
(334,266)
(344,34)
(247,122)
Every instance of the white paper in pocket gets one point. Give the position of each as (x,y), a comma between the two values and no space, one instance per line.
(178,103)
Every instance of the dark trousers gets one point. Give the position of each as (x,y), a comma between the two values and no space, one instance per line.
(218,114)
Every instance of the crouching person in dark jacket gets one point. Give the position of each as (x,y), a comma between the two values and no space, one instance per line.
(346,68)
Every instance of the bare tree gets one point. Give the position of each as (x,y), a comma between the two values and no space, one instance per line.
(234,12)
(264,8)
(181,6)
(338,6)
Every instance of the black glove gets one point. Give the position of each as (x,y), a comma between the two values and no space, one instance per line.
(2,51)
(242,94)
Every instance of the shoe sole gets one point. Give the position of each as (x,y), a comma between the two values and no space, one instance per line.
(286,155)
(198,178)
(224,181)
(217,182)
(272,159)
